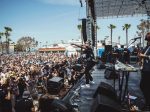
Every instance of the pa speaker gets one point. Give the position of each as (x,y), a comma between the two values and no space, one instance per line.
(84,34)
(93,35)
(103,103)
(107,90)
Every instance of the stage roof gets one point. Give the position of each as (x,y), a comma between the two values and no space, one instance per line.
(119,8)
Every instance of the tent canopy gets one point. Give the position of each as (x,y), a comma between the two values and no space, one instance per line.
(119,8)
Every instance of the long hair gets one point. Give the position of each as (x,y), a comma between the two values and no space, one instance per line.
(147,37)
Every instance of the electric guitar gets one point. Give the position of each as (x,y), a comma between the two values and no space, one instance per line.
(145,54)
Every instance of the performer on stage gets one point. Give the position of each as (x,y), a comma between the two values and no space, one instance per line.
(88,57)
(145,71)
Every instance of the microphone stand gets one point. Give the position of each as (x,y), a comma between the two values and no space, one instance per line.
(131,43)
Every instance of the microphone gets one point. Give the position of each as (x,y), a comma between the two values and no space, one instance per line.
(136,38)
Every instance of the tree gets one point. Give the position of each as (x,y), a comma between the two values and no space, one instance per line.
(126,27)
(27,42)
(7,34)
(111,27)
(1,34)
(143,28)
(18,48)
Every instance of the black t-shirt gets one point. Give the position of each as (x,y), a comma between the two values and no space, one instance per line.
(117,55)
(24,105)
(5,103)
(88,52)
(126,53)
(2,96)
(45,103)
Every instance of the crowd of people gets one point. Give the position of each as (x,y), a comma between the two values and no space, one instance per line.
(24,75)
(24,78)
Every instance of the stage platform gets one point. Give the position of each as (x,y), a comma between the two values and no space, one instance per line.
(83,97)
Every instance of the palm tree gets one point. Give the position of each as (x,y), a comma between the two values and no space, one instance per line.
(1,34)
(111,27)
(7,34)
(126,27)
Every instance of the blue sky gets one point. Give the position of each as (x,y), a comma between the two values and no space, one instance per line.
(53,20)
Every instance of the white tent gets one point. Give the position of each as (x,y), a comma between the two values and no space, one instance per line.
(70,50)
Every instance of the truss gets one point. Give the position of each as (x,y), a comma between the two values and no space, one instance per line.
(119,8)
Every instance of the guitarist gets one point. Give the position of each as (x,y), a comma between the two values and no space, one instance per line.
(145,71)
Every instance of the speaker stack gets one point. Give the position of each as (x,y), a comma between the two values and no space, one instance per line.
(84,34)
(54,85)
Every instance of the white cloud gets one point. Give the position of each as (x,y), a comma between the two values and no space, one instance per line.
(61,2)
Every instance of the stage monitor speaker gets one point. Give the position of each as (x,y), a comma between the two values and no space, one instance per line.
(84,34)
(107,90)
(110,73)
(103,103)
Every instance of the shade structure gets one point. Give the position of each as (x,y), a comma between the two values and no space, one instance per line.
(119,8)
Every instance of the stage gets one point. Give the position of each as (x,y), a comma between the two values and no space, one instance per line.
(83,97)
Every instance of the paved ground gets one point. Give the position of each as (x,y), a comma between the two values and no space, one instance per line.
(84,96)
